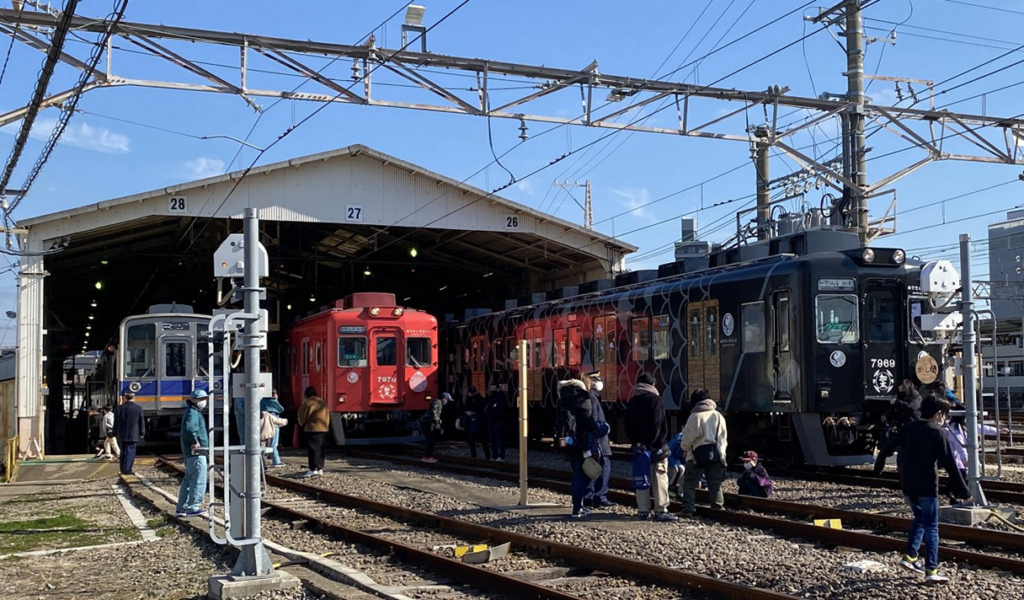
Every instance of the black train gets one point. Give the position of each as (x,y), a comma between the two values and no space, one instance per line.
(802,344)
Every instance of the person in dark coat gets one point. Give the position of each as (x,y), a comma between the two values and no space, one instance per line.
(431,425)
(494,414)
(574,400)
(475,423)
(647,429)
(130,428)
(754,480)
(923,447)
(596,495)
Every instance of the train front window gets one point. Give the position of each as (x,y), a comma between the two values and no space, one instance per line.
(386,355)
(203,350)
(140,350)
(881,316)
(837,319)
(175,359)
(352,351)
(418,352)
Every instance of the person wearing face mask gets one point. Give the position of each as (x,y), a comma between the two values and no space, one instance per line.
(596,495)
(754,480)
(193,437)
(924,446)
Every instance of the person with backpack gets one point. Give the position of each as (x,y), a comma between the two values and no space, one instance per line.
(596,495)
(705,439)
(574,430)
(647,429)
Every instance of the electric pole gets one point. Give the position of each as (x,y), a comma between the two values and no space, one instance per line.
(587,206)
(759,150)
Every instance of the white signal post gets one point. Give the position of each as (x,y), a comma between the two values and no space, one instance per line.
(523,422)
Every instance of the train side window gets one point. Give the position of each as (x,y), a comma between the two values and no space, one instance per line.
(175,359)
(511,345)
(783,318)
(538,353)
(659,337)
(558,342)
(319,356)
(837,319)
(386,355)
(575,349)
(417,353)
(641,339)
(305,357)
(598,348)
(711,330)
(141,350)
(695,333)
(475,364)
(352,351)
(753,327)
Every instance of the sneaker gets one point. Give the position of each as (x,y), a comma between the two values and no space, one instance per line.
(180,513)
(308,474)
(912,563)
(666,517)
(932,576)
(578,515)
(195,513)
(429,459)
(99,454)
(643,516)
(499,460)
(606,503)
(318,472)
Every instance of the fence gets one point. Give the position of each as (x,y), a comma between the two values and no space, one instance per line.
(11,460)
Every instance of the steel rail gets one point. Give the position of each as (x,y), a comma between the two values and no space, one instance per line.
(838,537)
(1001,491)
(590,559)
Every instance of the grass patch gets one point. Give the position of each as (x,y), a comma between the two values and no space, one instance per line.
(164,532)
(157,522)
(65,530)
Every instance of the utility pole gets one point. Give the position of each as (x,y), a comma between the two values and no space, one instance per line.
(587,206)
(760,153)
(855,94)
(970,371)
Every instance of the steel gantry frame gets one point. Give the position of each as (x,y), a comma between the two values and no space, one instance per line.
(998,139)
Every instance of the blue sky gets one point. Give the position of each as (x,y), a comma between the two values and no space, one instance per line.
(101,158)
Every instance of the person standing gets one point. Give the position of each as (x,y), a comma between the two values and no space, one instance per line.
(315,421)
(597,489)
(704,441)
(494,414)
(110,447)
(431,425)
(475,424)
(647,429)
(193,437)
(574,428)
(923,448)
(272,407)
(130,428)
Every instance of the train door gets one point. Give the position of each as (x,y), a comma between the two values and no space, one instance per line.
(388,352)
(703,368)
(783,371)
(605,334)
(175,376)
(533,364)
(883,339)
(478,366)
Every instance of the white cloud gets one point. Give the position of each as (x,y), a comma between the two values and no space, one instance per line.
(635,201)
(202,167)
(78,134)
(525,186)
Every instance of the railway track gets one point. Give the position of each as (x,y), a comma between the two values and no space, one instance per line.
(558,480)
(592,563)
(997,491)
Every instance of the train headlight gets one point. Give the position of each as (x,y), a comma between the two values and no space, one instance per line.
(899,256)
(398,311)
(868,255)
(374,311)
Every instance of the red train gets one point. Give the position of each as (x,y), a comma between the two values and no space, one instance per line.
(373,362)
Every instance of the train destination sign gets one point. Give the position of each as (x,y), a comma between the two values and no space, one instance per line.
(176,326)
(351,329)
(835,285)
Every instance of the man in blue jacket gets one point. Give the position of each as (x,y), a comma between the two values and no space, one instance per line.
(193,437)
(130,428)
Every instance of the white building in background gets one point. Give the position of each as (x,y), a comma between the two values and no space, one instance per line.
(1005,361)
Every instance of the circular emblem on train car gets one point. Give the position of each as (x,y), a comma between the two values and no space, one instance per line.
(352,377)
(728,325)
(927,369)
(883,380)
(837,358)
(388,392)
(418,382)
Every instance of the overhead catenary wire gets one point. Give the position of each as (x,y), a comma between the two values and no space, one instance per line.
(10,46)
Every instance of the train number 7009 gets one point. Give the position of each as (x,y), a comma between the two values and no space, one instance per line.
(883,363)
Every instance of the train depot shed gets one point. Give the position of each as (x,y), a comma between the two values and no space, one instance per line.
(334,223)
